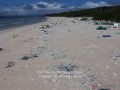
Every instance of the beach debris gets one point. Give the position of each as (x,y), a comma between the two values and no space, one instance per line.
(31,38)
(101,28)
(68,67)
(118,33)
(107,23)
(116,25)
(34,56)
(1,49)
(103,23)
(25,58)
(106,36)
(44,26)
(39,51)
(45,31)
(69,30)
(47,26)
(10,64)
(28,57)
(95,86)
(91,78)
(15,35)
(73,21)
(98,37)
(25,41)
(97,23)
(117,57)
(84,19)
(103,89)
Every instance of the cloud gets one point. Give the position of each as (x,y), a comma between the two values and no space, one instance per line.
(91,4)
(64,6)
(44,5)
(41,5)
(34,9)
(28,7)
(49,5)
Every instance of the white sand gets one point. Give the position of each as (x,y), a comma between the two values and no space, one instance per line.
(64,43)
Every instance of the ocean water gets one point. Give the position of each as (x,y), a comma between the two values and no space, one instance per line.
(10,22)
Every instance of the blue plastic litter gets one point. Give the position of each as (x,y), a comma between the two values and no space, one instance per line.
(106,36)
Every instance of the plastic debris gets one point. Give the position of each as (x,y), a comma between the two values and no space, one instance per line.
(97,23)
(103,89)
(116,25)
(103,23)
(95,86)
(15,35)
(106,36)
(101,28)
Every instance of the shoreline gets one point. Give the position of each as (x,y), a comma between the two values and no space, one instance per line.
(23,24)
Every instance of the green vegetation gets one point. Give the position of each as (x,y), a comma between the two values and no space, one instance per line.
(111,13)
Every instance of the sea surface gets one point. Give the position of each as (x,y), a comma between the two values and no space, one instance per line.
(11,22)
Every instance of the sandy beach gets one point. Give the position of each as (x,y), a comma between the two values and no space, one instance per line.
(60,54)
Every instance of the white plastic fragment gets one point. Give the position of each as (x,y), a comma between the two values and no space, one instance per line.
(116,24)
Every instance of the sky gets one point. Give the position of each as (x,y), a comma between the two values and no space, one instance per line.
(30,7)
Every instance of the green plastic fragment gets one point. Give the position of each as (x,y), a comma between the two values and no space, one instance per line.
(101,28)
